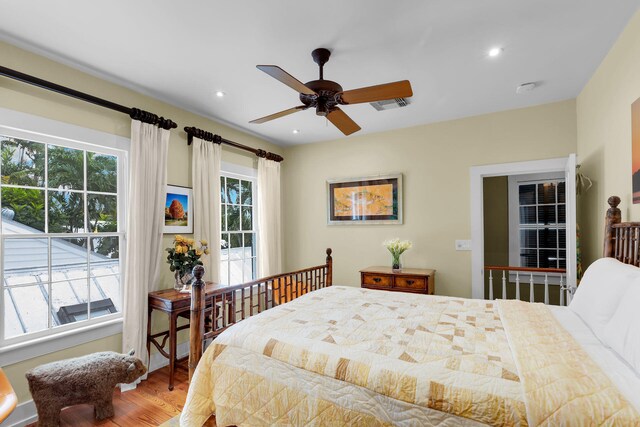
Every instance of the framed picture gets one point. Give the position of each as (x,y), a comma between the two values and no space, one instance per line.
(635,150)
(365,200)
(178,210)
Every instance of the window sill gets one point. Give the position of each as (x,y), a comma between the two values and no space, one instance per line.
(40,346)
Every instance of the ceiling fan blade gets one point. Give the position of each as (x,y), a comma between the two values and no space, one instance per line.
(343,122)
(286,78)
(280,114)
(401,89)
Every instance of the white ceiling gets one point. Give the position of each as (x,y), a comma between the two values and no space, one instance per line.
(183,51)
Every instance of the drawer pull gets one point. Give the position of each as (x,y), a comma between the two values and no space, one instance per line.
(377,279)
(410,282)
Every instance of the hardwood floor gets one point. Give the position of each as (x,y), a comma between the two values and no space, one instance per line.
(150,404)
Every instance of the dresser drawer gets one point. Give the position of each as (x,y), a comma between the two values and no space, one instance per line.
(377,280)
(410,282)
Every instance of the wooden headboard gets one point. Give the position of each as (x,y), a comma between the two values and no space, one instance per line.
(621,239)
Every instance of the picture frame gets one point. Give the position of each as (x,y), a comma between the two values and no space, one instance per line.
(375,199)
(635,151)
(178,218)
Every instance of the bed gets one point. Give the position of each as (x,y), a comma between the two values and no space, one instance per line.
(331,355)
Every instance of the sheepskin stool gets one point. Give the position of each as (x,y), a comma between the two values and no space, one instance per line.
(87,379)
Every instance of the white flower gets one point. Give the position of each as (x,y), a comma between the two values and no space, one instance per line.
(396,246)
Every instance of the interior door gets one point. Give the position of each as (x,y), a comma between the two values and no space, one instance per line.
(570,180)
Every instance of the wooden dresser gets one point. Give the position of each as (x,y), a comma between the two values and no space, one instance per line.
(415,280)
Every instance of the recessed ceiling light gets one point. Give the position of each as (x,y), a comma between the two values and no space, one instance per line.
(495,51)
(296,131)
(220,93)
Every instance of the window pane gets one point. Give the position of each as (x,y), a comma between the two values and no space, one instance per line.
(223,191)
(235,272)
(12,323)
(235,246)
(224,246)
(25,261)
(562,218)
(102,173)
(562,262)
(103,213)
(527,194)
(548,238)
(233,191)
(69,301)
(548,258)
(528,239)
(105,254)
(223,217)
(247,193)
(528,258)
(247,218)
(69,256)
(66,212)
(22,162)
(248,273)
(249,245)
(30,303)
(562,238)
(110,287)
(66,168)
(561,192)
(22,211)
(546,193)
(546,214)
(101,304)
(528,215)
(233,218)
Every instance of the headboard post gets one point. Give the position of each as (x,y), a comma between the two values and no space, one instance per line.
(196,326)
(613,217)
(329,268)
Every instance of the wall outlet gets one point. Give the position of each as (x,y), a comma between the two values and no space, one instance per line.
(463,245)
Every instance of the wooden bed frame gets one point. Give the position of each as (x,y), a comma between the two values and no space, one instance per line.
(621,239)
(212,314)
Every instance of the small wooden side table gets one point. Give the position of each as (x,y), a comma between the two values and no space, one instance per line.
(415,280)
(175,304)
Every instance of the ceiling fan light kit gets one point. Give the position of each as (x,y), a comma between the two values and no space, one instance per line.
(325,95)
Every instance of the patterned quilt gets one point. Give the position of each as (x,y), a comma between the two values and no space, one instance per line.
(350,356)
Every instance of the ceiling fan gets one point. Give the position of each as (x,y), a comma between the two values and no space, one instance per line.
(326,95)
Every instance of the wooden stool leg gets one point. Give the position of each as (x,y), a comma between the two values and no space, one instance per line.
(149,334)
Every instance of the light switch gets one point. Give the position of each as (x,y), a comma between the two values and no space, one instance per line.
(463,245)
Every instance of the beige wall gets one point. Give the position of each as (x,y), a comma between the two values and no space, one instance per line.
(21,97)
(604,137)
(435,160)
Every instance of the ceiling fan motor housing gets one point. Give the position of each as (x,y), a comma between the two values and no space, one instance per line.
(326,98)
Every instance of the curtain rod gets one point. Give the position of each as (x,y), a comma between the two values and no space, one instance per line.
(134,113)
(208,136)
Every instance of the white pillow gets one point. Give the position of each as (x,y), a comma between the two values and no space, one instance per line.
(622,333)
(601,289)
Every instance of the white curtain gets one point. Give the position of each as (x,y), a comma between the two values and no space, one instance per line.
(206,203)
(145,219)
(269,220)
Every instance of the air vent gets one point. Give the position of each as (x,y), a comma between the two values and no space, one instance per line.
(390,104)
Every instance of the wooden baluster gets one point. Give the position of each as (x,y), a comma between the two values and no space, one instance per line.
(561,290)
(490,285)
(196,327)
(504,284)
(243,301)
(517,285)
(531,294)
(546,289)
(251,301)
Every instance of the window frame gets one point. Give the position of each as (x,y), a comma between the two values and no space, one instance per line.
(234,171)
(514,224)
(25,126)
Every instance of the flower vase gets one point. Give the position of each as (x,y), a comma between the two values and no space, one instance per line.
(182,280)
(395,262)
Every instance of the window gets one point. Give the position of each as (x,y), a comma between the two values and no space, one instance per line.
(537,218)
(62,240)
(238,224)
